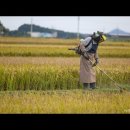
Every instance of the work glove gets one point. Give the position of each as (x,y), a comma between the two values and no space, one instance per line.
(77,50)
(96,62)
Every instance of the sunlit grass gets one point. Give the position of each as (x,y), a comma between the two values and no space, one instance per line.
(74,101)
(57,73)
(59,51)
(28,66)
(53,41)
(15,46)
(46,41)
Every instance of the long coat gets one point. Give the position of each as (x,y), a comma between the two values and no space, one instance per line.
(87,72)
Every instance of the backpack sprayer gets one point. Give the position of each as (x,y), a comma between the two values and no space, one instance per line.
(77,50)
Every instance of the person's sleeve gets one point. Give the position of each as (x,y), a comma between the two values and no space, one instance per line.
(82,48)
(96,55)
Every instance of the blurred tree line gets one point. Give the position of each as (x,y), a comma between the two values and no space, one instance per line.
(24,31)
(3,30)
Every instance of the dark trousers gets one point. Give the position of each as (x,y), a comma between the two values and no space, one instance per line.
(92,85)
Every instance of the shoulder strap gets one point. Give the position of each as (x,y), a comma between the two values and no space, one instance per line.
(89,42)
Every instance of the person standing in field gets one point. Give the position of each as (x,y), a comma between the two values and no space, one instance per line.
(88,48)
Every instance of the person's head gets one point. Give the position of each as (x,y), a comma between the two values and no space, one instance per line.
(98,37)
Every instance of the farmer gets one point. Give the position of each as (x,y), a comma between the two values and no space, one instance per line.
(88,48)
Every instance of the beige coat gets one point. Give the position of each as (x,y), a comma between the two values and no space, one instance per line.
(87,72)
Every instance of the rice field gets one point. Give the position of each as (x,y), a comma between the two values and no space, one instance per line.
(52,41)
(45,73)
(74,101)
(59,51)
(37,41)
